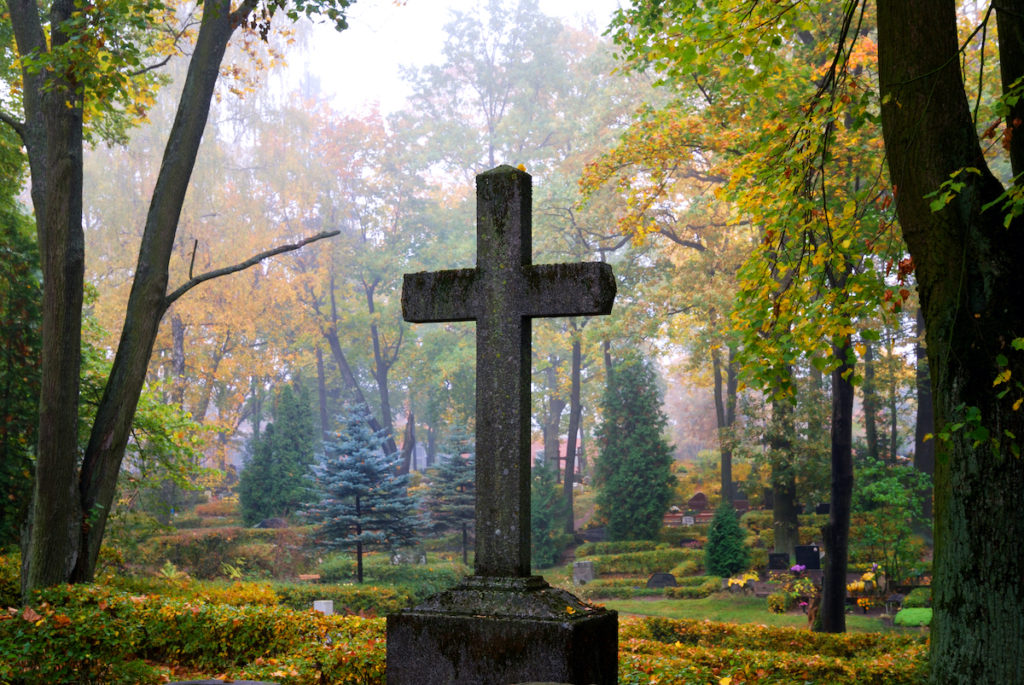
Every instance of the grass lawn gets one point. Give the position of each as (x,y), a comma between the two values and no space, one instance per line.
(730,609)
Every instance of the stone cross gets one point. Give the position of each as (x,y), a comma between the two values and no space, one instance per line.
(502,294)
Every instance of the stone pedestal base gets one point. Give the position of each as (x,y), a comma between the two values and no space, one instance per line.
(496,631)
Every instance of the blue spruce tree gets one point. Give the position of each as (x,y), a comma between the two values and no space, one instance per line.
(362,500)
(451,496)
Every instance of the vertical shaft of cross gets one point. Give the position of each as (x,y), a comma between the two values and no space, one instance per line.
(502,294)
(503,376)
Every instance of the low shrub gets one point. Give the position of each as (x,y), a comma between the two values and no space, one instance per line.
(695,587)
(219,507)
(690,566)
(779,602)
(776,639)
(590,549)
(10,580)
(677,536)
(85,634)
(918,598)
(916,616)
(643,563)
(355,599)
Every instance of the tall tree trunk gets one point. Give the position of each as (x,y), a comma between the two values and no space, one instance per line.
(924,447)
(330,333)
(408,445)
(785,524)
(52,133)
(553,418)
(321,391)
(869,395)
(836,533)
(725,415)
(178,361)
(575,410)
(970,283)
(381,361)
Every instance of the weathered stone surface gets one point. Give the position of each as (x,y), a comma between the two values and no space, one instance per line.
(503,625)
(502,630)
(502,294)
(660,580)
(583,572)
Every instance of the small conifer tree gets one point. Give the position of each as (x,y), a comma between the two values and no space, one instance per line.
(275,480)
(363,500)
(726,552)
(451,496)
(634,469)
(547,537)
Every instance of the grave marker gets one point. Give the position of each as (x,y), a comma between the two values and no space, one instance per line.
(502,624)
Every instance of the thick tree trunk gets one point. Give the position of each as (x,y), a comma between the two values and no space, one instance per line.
(970,282)
(836,533)
(148,301)
(575,411)
(52,133)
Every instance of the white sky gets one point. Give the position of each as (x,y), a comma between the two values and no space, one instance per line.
(361,65)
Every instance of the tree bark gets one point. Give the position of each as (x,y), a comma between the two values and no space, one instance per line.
(869,395)
(785,524)
(836,533)
(52,133)
(924,449)
(969,279)
(575,411)
(725,415)
(321,390)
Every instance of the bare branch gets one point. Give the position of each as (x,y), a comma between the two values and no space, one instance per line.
(18,126)
(241,266)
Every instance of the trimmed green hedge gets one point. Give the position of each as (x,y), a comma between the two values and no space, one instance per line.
(589,549)
(917,616)
(918,598)
(643,563)
(90,634)
(694,587)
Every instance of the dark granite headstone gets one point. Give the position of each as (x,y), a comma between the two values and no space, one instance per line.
(698,502)
(503,625)
(778,561)
(658,580)
(808,556)
(823,508)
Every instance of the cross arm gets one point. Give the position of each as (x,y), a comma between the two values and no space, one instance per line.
(580,289)
(439,296)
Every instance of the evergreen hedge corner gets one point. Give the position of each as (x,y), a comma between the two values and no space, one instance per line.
(726,552)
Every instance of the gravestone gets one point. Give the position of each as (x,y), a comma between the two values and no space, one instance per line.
(808,556)
(698,502)
(503,625)
(659,580)
(688,521)
(778,561)
(324,606)
(583,572)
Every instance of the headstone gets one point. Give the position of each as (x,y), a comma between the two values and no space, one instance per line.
(659,580)
(823,508)
(688,521)
(698,502)
(778,561)
(503,625)
(582,572)
(324,606)
(740,505)
(808,556)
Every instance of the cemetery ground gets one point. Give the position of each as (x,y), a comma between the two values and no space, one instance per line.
(211,599)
